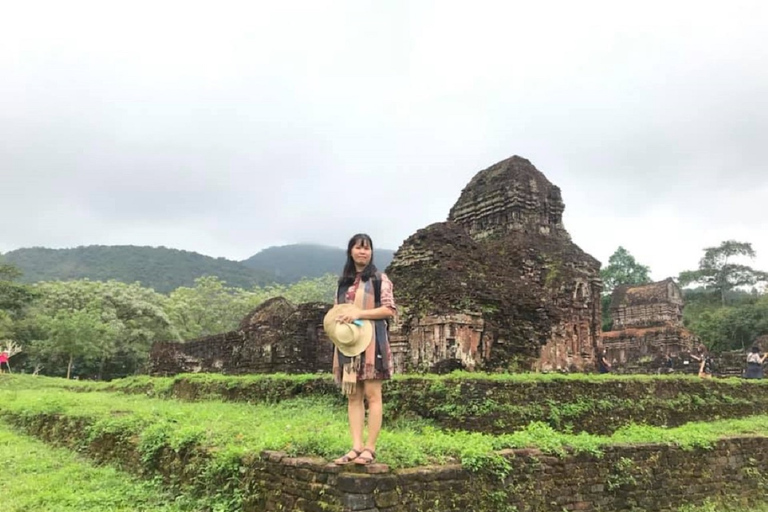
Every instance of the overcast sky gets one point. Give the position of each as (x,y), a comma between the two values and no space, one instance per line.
(228,127)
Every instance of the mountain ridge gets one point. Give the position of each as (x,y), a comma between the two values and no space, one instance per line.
(166,269)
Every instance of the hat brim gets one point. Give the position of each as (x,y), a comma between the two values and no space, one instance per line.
(363,334)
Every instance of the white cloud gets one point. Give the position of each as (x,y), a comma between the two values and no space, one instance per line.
(226,128)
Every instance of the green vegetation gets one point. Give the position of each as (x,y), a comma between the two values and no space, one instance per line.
(104,330)
(623,269)
(164,269)
(215,441)
(722,313)
(316,426)
(159,268)
(718,273)
(38,478)
(734,326)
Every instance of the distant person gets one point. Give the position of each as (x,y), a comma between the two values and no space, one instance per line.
(755,363)
(362,359)
(706,363)
(667,365)
(603,366)
(4,362)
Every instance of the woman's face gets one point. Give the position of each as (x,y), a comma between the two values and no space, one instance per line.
(361,254)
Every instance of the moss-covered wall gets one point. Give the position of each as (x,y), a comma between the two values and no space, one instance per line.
(592,404)
(623,477)
(647,477)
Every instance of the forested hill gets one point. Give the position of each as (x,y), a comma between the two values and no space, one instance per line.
(289,263)
(156,267)
(166,269)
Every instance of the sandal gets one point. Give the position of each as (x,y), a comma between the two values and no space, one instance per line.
(364,461)
(346,459)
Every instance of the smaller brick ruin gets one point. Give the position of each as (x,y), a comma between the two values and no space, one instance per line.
(276,337)
(647,305)
(647,324)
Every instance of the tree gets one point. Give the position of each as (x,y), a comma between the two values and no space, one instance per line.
(14,300)
(117,322)
(719,274)
(74,334)
(210,307)
(14,297)
(732,327)
(622,269)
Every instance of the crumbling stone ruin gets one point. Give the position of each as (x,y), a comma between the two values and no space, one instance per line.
(647,324)
(499,285)
(647,305)
(276,337)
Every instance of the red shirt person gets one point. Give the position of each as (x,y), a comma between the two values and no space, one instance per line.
(4,361)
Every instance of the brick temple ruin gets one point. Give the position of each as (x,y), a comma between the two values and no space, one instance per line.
(276,337)
(498,286)
(647,323)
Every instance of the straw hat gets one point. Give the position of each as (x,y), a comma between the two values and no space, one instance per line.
(351,339)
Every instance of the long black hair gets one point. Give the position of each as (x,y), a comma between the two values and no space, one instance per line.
(350,271)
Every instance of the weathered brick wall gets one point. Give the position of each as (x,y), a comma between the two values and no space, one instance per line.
(653,477)
(646,315)
(628,346)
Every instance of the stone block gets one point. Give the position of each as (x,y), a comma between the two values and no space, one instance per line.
(386,499)
(357,502)
(356,483)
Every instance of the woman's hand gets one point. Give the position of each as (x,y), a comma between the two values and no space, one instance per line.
(349,317)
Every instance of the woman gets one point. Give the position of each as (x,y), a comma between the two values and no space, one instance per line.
(755,364)
(361,376)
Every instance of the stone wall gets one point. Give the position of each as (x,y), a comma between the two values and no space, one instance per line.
(631,345)
(651,477)
(655,477)
(276,337)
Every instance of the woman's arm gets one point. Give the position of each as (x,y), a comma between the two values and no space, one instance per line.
(377,313)
(366,314)
(387,308)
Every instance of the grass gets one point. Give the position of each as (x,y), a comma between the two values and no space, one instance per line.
(317,425)
(37,477)
(228,431)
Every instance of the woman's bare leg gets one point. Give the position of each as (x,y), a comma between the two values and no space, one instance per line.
(375,414)
(356,416)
